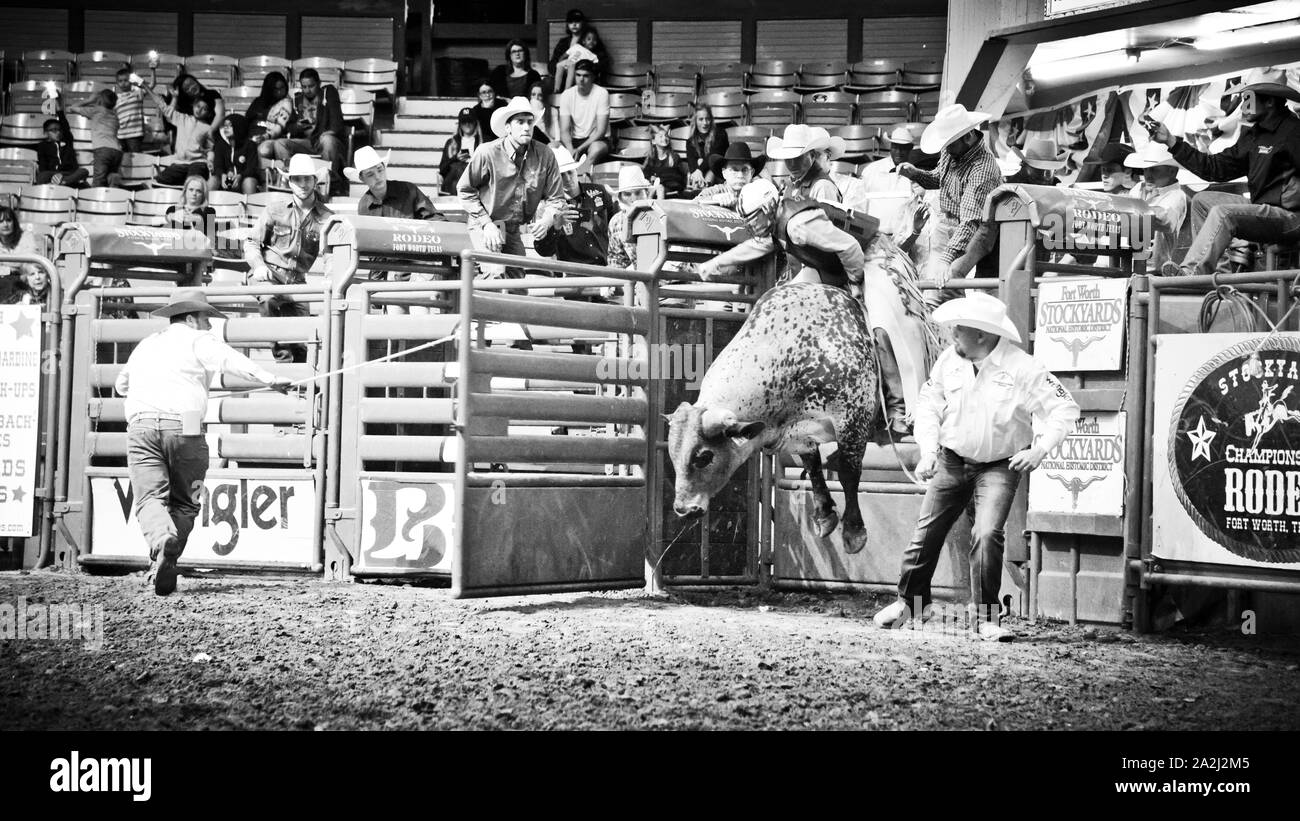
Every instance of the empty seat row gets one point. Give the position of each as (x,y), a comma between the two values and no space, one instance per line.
(53,204)
(777,75)
(780,107)
(861,141)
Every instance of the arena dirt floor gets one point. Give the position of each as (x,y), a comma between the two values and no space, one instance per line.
(292,654)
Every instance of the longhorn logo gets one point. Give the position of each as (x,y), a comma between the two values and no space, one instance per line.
(1076,346)
(154,247)
(726,231)
(1075,485)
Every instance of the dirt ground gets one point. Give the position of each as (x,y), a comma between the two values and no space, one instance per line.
(239,652)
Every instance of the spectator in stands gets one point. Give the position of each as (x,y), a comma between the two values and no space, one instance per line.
(235,165)
(101,111)
(705,141)
(384,197)
(1039,159)
(737,167)
(56,156)
(573,23)
(130,112)
(14,240)
(881,177)
(913,232)
(186,91)
(1267,153)
(284,244)
(632,186)
(1160,190)
(511,184)
(487,105)
(513,78)
(193,140)
(317,128)
(273,97)
(583,233)
(586,46)
(584,117)
(544,124)
(458,149)
(805,150)
(1116,178)
(967,173)
(662,165)
(193,211)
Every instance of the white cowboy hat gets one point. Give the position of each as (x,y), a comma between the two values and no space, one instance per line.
(517,105)
(365,159)
(901,135)
(799,139)
(1151,155)
(565,160)
(631,178)
(1009,165)
(301,165)
(1041,153)
(980,311)
(1230,129)
(757,194)
(1269,81)
(950,123)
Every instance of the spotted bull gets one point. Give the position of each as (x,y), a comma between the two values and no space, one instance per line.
(800,372)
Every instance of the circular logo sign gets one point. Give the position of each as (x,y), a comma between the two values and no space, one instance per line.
(1234,449)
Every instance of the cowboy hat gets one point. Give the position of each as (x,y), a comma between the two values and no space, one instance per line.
(301,165)
(631,178)
(980,311)
(736,152)
(1268,81)
(950,123)
(564,159)
(516,106)
(901,135)
(1151,155)
(1114,152)
(757,194)
(799,139)
(188,301)
(1041,153)
(1009,165)
(365,159)
(1229,129)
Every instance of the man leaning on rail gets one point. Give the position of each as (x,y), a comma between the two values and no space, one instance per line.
(165,382)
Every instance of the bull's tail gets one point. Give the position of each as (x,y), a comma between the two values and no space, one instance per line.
(905,276)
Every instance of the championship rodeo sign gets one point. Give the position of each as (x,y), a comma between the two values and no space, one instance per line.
(1227,449)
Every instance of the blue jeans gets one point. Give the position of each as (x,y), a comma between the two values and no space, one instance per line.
(987,488)
(1218,217)
(167,471)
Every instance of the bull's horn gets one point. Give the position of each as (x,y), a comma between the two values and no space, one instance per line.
(715,422)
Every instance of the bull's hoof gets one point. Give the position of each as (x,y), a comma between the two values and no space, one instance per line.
(854,540)
(826,524)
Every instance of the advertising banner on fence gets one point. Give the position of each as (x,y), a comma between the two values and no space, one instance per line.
(407,524)
(1226,449)
(20,404)
(245,516)
(1080,324)
(1085,473)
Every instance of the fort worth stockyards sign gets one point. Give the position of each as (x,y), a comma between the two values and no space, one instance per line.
(1234,447)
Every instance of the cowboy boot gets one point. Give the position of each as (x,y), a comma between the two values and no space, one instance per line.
(891,380)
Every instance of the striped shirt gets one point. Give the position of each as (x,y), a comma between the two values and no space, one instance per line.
(130,114)
(964,184)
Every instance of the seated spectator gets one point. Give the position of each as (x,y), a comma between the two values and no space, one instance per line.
(235,165)
(186,91)
(544,124)
(662,165)
(705,141)
(130,112)
(458,149)
(488,102)
(1116,178)
(193,210)
(269,113)
(573,23)
(513,78)
(14,240)
(317,128)
(737,167)
(632,186)
(913,232)
(56,156)
(1039,160)
(1160,190)
(101,110)
(584,117)
(583,232)
(589,48)
(193,140)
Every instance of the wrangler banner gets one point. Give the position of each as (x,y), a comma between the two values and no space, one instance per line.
(1226,449)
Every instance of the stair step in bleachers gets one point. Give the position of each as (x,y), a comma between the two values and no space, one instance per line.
(431,106)
(429,140)
(413,156)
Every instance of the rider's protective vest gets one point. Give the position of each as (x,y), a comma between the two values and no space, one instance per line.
(861,227)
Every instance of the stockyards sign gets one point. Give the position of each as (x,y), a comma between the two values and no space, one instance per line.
(1085,473)
(1227,449)
(1079,324)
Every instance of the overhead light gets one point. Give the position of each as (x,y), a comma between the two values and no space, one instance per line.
(1248,36)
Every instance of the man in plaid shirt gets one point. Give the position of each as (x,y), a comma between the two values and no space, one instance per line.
(967,173)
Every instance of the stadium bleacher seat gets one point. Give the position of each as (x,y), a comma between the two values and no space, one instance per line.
(10,192)
(822,76)
(240,97)
(677,138)
(772,75)
(330,70)
(149,205)
(213,70)
(828,108)
(873,75)
(136,170)
(927,105)
(606,173)
(17,165)
(25,96)
(921,75)
(773,108)
(624,107)
(104,205)
(47,204)
(372,74)
(666,108)
(721,77)
(632,143)
(101,66)
(48,64)
(728,106)
(677,78)
(253,70)
(629,77)
(860,141)
(169,66)
(753,136)
(82,90)
(881,108)
(22,129)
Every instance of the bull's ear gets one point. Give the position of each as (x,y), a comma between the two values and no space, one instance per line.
(745,430)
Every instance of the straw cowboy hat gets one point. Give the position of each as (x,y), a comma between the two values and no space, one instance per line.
(631,178)
(1267,81)
(979,311)
(365,159)
(188,301)
(1151,155)
(564,159)
(799,139)
(950,123)
(516,106)
(737,152)
(901,135)
(1041,153)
